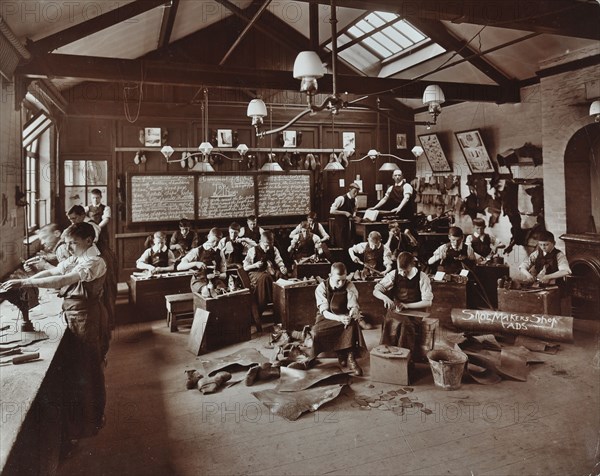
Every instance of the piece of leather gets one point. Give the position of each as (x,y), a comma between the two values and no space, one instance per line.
(242,358)
(290,405)
(293,380)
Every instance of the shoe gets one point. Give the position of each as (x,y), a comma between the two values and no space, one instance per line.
(364,324)
(353,365)
(342,359)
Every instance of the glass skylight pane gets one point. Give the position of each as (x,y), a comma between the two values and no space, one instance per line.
(398,37)
(377,47)
(374,20)
(359,57)
(388,43)
(356,32)
(364,26)
(387,16)
(409,31)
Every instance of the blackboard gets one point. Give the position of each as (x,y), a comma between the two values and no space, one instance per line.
(280,195)
(154,198)
(225,196)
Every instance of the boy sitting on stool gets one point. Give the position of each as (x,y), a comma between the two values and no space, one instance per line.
(158,258)
(454,256)
(305,244)
(209,263)
(336,328)
(404,288)
(376,257)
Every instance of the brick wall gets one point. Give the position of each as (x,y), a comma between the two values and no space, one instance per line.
(564,111)
(548,115)
(11,232)
(502,127)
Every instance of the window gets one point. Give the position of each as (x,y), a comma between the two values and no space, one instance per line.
(377,38)
(81,176)
(36,126)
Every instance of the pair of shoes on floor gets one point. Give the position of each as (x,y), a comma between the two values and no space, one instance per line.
(347,358)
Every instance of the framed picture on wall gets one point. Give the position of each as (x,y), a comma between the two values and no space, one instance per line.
(289,138)
(401,141)
(348,140)
(224,138)
(434,153)
(474,150)
(152,137)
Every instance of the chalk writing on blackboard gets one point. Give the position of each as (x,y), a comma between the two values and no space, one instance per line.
(161,197)
(280,195)
(225,196)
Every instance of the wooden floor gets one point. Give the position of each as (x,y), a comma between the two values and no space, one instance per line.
(548,425)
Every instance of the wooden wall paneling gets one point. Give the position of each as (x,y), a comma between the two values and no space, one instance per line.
(86,136)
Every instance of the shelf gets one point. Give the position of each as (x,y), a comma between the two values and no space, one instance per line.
(278,150)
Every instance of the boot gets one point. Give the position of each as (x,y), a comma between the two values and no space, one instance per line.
(212,384)
(264,371)
(353,365)
(192,379)
(342,358)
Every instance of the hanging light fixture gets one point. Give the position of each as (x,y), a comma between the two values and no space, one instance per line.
(271,166)
(308,67)
(595,110)
(433,97)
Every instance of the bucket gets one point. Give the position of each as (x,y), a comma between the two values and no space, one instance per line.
(447,367)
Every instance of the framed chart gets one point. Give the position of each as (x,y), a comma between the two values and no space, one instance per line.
(434,152)
(474,150)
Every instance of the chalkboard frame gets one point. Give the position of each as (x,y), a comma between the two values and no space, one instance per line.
(196,175)
(129,178)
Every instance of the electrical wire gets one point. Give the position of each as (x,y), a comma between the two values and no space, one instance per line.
(126,90)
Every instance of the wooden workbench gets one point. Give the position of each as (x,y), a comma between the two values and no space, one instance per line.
(295,306)
(31,401)
(147,295)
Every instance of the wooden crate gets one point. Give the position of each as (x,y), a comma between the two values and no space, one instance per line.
(447,295)
(546,301)
(229,320)
(148,294)
(307,270)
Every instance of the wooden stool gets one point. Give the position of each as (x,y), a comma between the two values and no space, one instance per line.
(177,306)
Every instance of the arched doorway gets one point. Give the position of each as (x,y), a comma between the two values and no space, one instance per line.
(582,186)
(582,180)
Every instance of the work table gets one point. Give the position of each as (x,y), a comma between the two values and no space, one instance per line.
(31,417)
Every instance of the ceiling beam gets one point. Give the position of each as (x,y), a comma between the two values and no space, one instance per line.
(248,27)
(185,74)
(94,25)
(439,33)
(168,20)
(246,16)
(556,17)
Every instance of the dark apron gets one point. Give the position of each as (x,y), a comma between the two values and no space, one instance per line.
(86,342)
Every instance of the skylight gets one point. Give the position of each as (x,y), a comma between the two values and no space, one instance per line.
(376,39)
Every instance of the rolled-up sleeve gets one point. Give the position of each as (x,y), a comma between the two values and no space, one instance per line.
(386,283)
(352,296)
(425,287)
(321,298)
(563,263)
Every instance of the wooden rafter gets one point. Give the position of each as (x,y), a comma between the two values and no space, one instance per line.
(168,20)
(192,74)
(439,33)
(89,27)
(557,17)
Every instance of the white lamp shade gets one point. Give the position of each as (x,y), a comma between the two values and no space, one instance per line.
(595,108)
(308,65)
(206,148)
(388,167)
(433,94)
(272,167)
(203,167)
(242,149)
(417,151)
(167,151)
(373,153)
(335,165)
(256,108)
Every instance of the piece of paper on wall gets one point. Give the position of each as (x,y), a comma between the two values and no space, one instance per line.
(342,183)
